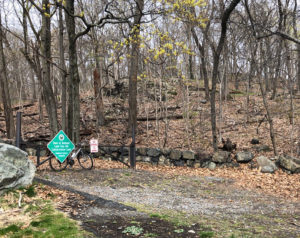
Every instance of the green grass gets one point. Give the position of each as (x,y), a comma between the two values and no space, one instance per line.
(206,234)
(10,228)
(43,219)
(49,224)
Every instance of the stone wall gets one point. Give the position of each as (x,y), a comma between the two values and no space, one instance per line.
(171,157)
(157,156)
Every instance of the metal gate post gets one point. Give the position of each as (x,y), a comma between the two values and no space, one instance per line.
(18,130)
(132,150)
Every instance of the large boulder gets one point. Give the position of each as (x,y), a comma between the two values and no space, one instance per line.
(16,169)
(289,163)
(221,157)
(244,156)
(266,165)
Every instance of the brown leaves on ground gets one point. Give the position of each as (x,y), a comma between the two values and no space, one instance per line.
(278,184)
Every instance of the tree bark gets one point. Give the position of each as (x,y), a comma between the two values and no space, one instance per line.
(63,72)
(73,113)
(49,97)
(8,113)
(203,62)
(134,66)
(216,60)
(98,98)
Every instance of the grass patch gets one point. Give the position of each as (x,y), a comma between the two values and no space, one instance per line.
(36,218)
(206,234)
(150,235)
(11,228)
(252,225)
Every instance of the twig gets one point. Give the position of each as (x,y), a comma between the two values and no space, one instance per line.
(20,199)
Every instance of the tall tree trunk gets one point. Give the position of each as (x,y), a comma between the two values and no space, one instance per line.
(279,49)
(266,105)
(203,64)
(63,72)
(277,69)
(33,86)
(298,61)
(8,113)
(134,65)
(73,80)
(216,60)
(98,98)
(49,97)
(98,79)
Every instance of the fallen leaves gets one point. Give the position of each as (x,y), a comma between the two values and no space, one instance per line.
(277,184)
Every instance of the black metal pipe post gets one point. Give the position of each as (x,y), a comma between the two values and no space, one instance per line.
(38,154)
(18,130)
(132,150)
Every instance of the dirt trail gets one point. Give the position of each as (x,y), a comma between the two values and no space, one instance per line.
(213,202)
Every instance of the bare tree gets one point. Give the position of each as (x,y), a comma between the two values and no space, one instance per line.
(8,113)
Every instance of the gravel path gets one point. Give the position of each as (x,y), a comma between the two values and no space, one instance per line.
(210,198)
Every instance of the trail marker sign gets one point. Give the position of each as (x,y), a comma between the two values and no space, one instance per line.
(61,146)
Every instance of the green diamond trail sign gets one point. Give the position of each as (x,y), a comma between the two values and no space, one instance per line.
(61,146)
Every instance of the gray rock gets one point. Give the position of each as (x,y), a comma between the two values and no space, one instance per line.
(168,162)
(155,160)
(197,165)
(267,169)
(221,157)
(262,148)
(114,149)
(266,165)
(30,151)
(162,160)
(275,159)
(289,163)
(124,151)
(126,160)
(152,152)
(165,151)
(232,164)
(178,163)
(175,154)
(43,153)
(147,159)
(189,155)
(105,149)
(205,164)
(115,154)
(244,157)
(212,166)
(141,151)
(190,163)
(15,168)
(139,158)
(254,141)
